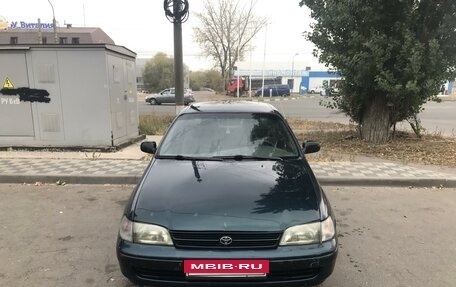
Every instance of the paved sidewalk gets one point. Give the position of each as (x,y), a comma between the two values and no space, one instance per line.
(121,171)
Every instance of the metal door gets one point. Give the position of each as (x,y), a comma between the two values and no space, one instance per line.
(15,116)
(130,92)
(46,76)
(118,98)
(123,95)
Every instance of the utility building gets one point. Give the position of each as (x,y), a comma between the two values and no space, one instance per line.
(80,95)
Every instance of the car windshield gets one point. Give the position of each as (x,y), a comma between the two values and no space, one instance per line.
(229,135)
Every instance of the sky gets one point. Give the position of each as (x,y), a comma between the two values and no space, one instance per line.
(141,26)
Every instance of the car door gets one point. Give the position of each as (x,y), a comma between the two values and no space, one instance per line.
(172,96)
(267,91)
(284,90)
(161,98)
(169,96)
(275,90)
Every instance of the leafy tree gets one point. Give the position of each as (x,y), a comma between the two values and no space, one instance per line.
(393,54)
(158,72)
(206,79)
(225,30)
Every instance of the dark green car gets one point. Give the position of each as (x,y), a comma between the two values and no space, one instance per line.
(229,199)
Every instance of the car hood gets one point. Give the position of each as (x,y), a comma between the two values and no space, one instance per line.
(227,195)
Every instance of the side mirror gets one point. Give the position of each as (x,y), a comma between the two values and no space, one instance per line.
(310,147)
(149,147)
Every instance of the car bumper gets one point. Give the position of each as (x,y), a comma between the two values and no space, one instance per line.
(289,266)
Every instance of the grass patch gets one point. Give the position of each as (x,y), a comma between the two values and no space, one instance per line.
(154,124)
(340,141)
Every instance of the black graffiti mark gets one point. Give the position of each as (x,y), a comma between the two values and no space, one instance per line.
(28,95)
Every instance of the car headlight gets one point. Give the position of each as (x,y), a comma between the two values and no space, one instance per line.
(309,233)
(144,233)
(301,234)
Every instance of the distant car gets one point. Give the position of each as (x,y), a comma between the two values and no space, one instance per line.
(329,92)
(318,90)
(168,96)
(229,199)
(273,91)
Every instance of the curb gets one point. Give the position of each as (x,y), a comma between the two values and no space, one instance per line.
(268,99)
(325,180)
(70,179)
(389,182)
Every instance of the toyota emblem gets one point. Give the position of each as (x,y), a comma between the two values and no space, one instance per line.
(226,240)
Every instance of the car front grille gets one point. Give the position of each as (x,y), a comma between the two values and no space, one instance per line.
(274,275)
(212,240)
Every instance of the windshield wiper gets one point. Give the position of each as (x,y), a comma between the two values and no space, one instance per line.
(184,157)
(253,157)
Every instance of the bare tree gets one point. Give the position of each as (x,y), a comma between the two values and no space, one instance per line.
(225,30)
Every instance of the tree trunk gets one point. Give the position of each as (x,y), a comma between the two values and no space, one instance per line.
(225,83)
(376,121)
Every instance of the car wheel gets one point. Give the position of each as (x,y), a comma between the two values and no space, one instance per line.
(153,101)
(312,92)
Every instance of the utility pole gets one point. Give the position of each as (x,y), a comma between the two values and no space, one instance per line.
(177,12)
(54,23)
(264,59)
(237,60)
(292,72)
(40,33)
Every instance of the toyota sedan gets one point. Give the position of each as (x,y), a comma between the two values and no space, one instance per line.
(229,199)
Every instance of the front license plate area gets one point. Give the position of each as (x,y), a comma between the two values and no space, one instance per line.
(223,275)
(226,268)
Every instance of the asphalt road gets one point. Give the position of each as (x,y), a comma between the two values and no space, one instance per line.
(65,236)
(439,118)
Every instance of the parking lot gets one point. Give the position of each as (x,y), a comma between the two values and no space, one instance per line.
(65,235)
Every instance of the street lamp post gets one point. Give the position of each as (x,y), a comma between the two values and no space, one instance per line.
(177,11)
(292,71)
(54,23)
(264,59)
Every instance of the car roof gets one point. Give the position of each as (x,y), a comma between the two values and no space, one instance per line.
(230,106)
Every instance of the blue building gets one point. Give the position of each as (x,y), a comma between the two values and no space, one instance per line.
(315,80)
(299,81)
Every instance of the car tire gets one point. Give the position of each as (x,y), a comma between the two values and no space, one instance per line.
(312,91)
(153,102)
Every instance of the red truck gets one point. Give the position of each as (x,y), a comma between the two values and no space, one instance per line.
(232,86)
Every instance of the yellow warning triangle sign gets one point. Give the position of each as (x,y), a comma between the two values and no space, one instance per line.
(8,84)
